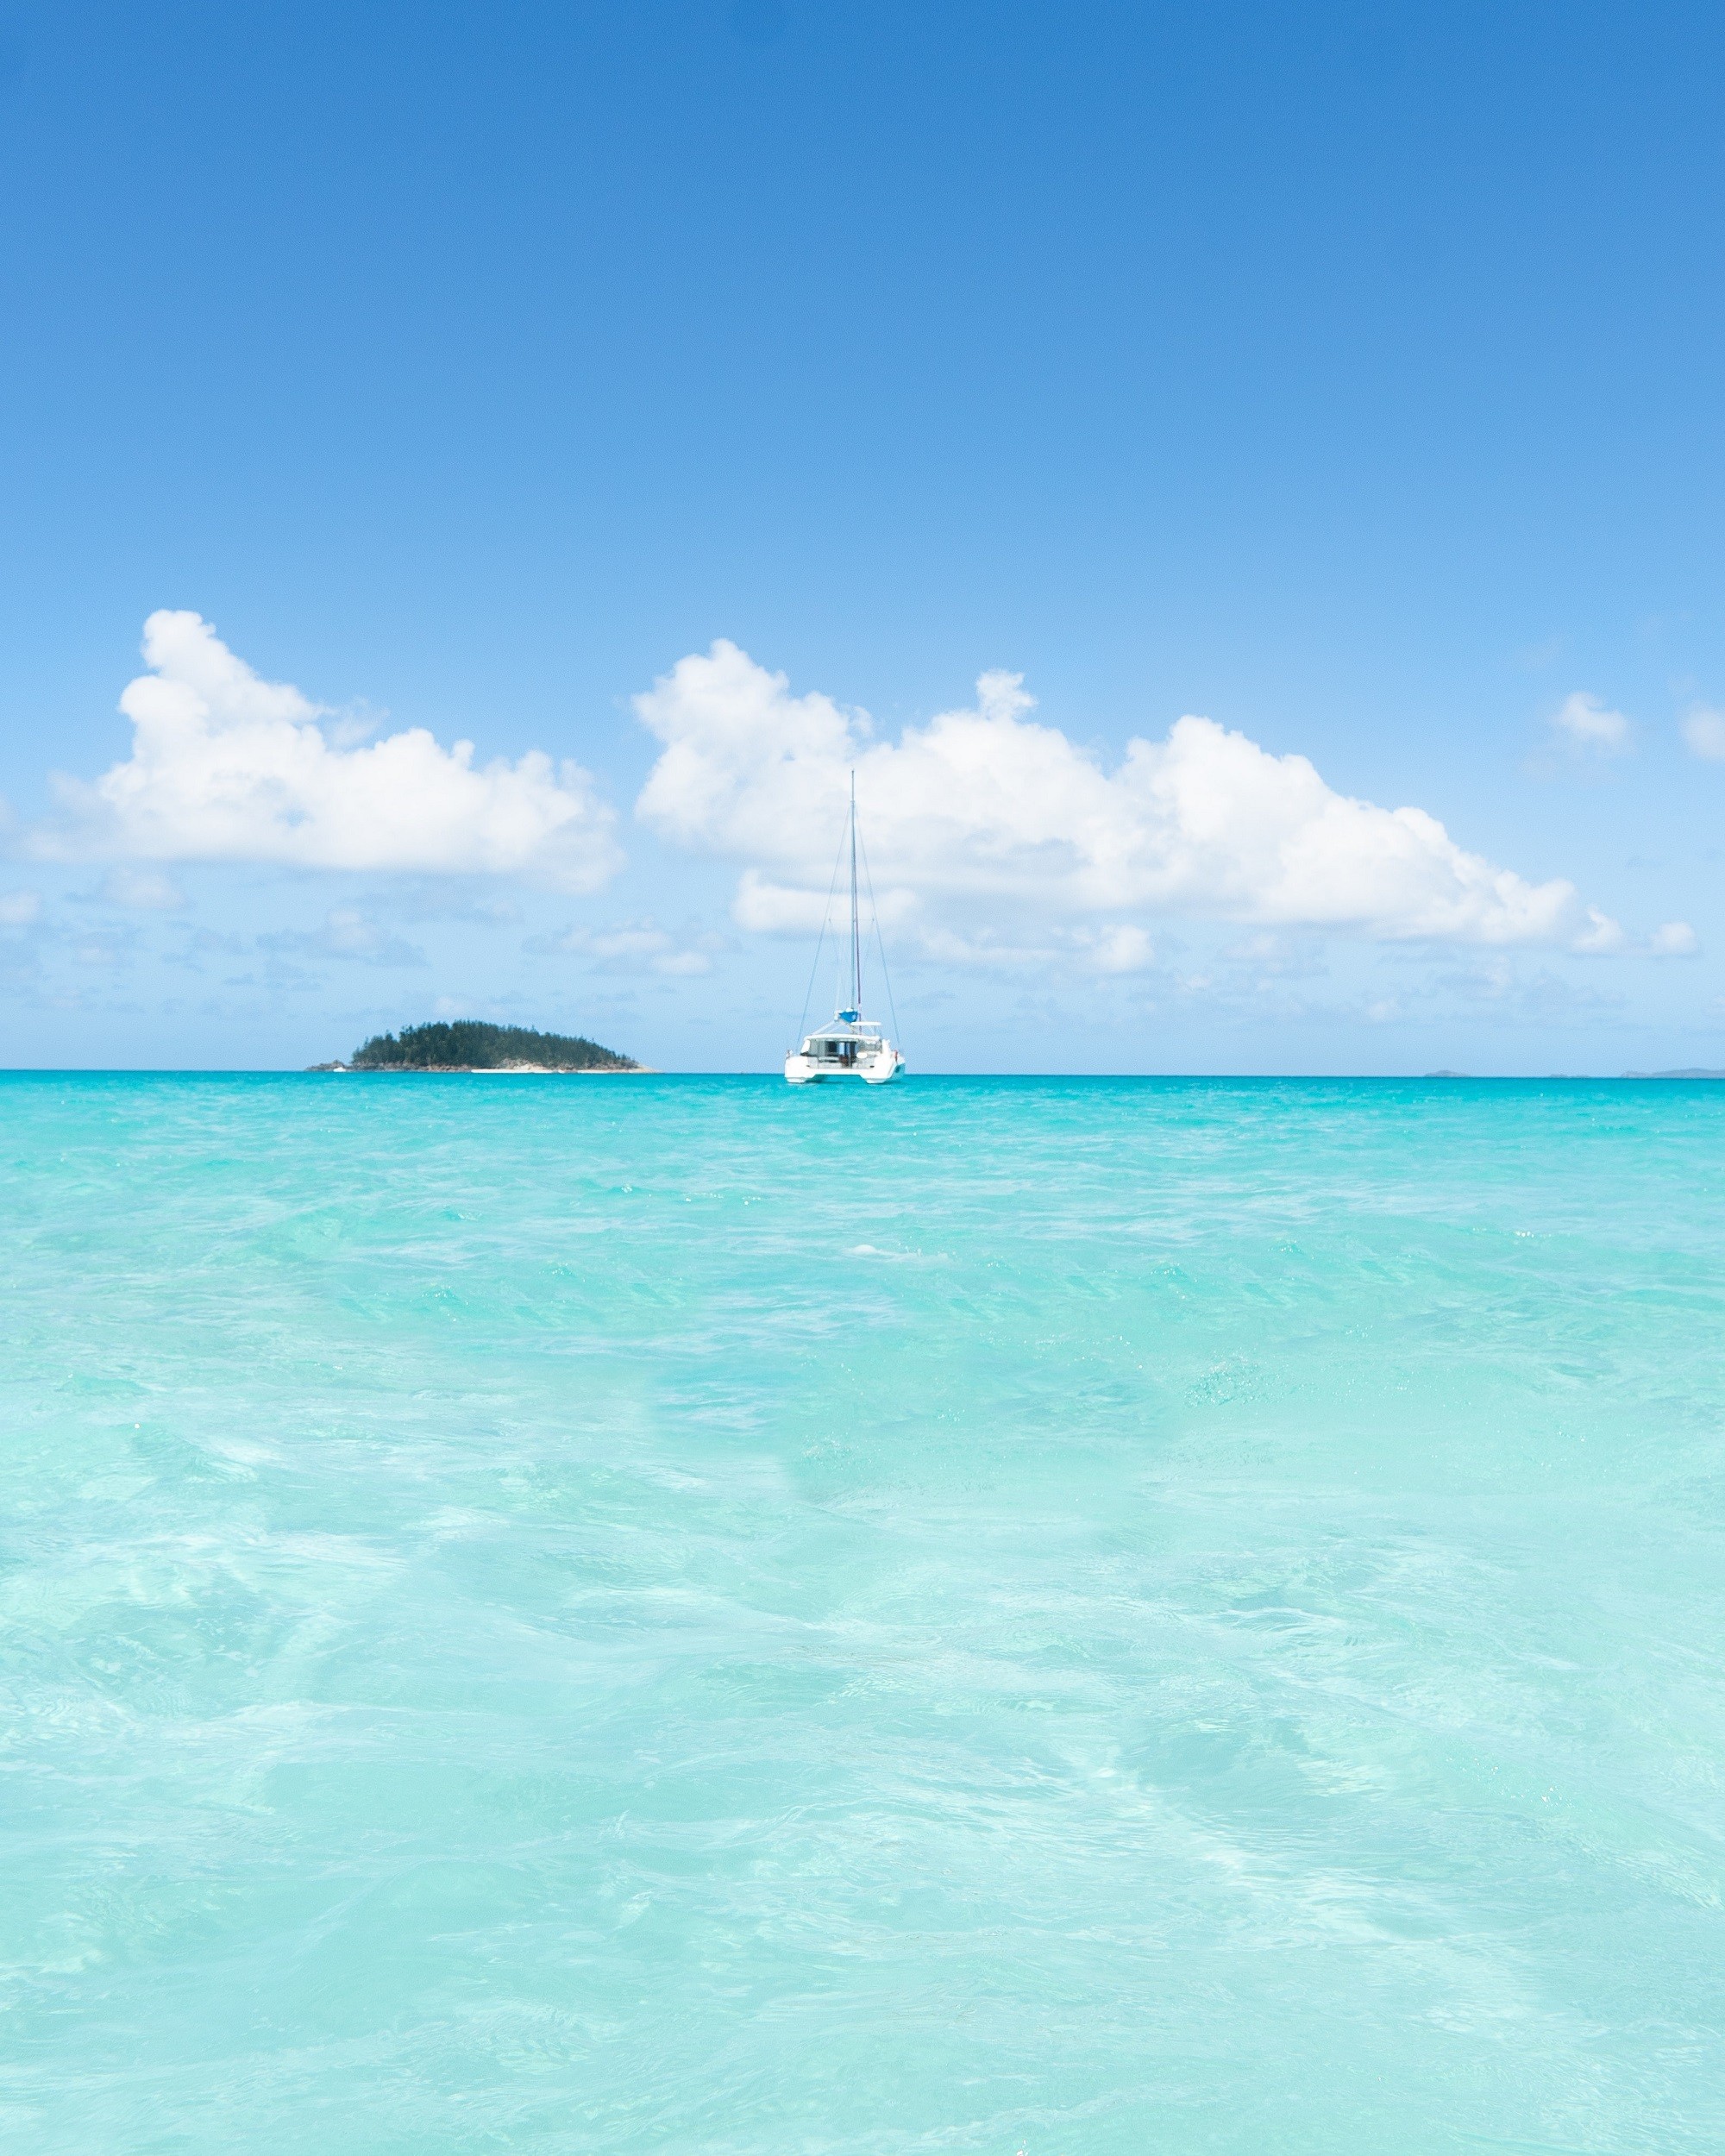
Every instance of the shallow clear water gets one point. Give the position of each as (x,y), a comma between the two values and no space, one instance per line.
(636,1615)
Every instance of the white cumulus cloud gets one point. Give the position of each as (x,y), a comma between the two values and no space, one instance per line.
(227,767)
(1586,722)
(984,812)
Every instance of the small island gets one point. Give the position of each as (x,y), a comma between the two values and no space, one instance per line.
(471,1045)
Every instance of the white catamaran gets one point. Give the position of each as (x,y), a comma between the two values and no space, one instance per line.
(848,1045)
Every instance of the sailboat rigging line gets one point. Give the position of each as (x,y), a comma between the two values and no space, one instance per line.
(880,940)
(855,941)
(820,940)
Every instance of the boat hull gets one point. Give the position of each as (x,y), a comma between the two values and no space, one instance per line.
(872,1070)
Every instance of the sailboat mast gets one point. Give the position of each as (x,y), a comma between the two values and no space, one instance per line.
(856,938)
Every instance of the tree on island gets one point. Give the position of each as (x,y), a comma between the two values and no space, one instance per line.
(471,1045)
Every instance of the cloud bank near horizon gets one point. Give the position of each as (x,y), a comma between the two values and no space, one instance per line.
(987,812)
(226,765)
(995,838)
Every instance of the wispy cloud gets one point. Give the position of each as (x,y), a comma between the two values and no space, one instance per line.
(1704,731)
(629,947)
(143,890)
(346,933)
(1586,723)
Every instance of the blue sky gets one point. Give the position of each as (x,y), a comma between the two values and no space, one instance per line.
(1349,377)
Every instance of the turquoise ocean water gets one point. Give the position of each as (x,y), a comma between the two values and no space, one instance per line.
(648,1615)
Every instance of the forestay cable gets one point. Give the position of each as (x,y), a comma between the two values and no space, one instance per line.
(820,941)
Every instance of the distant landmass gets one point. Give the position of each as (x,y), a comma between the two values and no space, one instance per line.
(471,1045)
(1674,1074)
